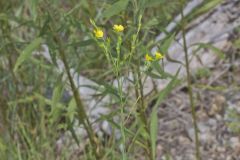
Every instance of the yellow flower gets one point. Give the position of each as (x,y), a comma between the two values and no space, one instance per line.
(158,56)
(118,28)
(98,33)
(148,58)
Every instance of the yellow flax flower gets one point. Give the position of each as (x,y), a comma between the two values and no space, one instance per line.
(158,56)
(148,58)
(118,28)
(98,33)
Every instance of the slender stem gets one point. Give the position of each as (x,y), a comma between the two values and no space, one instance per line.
(190,92)
(139,88)
(120,91)
(83,118)
(142,114)
(122,117)
(142,104)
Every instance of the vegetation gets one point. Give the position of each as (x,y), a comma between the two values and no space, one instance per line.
(105,41)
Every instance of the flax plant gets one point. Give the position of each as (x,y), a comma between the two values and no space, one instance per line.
(143,119)
(117,62)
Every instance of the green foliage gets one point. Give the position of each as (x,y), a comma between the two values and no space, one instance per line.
(26,53)
(115,8)
(32,86)
(152,3)
(154,114)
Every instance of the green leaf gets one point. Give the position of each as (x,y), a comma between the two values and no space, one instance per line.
(156,66)
(56,107)
(75,8)
(152,22)
(3,17)
(71,110)
(205,7)
(106,89)
(3,146)
(26,53)
(166,44)
(115,9)
(217,51)
(153,131)
(40,62)
(33,8)
(209,5)
(154,75)
(154,3)
(57,94)
(174,81)
(154,114)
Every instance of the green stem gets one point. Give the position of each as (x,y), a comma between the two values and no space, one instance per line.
(83,118)
(122,117)
(120,91)
(142,113)
(190,92)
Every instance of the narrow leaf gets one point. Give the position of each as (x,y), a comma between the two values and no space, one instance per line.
(57,93)
(156,66)
(174,81)
(153,131)
(167,43)
(154,114)
(217,51)
(71,110)
(154,3)
(115,9)
(26,53)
